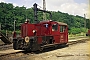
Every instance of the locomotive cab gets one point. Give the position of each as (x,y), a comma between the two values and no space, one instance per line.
(60,32)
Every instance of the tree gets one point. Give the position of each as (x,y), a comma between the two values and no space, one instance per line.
(9,13)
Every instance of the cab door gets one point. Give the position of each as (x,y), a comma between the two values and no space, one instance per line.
(55,33)
(63,34)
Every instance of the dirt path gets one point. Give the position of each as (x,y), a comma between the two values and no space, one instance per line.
(76,52)
(79,51)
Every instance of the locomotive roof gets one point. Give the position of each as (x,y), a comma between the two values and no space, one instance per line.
(61,23)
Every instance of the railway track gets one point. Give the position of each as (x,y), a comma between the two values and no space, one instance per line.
(9,46)
(5,46)
(21,53)
(75,41)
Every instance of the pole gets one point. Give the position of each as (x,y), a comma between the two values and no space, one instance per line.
(85,21)
(44,8)
(14,24)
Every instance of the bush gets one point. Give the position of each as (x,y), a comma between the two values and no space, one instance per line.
(74,30)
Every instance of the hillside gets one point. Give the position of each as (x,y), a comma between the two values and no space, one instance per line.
(9,13)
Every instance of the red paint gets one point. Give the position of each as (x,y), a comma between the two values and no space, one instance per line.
(14,34)
(45,29)
(89,31)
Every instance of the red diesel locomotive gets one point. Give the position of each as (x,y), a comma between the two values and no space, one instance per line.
(40,35)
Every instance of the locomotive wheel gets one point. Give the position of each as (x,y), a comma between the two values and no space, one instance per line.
(41,49)
(15,44)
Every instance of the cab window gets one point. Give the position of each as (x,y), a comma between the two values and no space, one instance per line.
(62,28)
(54,27)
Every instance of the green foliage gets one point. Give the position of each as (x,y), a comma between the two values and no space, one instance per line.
(9,13)
(74,30)
(88,23)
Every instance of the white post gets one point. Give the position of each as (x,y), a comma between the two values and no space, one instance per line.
(85,21)
(14,24)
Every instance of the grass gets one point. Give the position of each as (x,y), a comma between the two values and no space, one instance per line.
(72,36)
